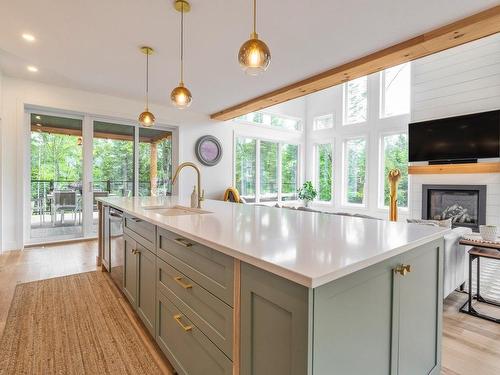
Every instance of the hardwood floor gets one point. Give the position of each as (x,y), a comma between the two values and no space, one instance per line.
(471,346)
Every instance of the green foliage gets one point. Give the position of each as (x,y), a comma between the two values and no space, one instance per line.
(268,169)
(356,170)
(307,191)
(396,156)
(325,160)
(289,159)
(245,167)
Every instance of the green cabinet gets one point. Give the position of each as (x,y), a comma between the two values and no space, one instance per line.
(139,280)
(146,287)
(130,270)
(274,324)
(374,321)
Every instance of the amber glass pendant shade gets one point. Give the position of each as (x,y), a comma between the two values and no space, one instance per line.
(181,96)
(254,56)
(146,118)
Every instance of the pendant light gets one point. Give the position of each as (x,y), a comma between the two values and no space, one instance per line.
(181,96)
(254,55)
(146,118)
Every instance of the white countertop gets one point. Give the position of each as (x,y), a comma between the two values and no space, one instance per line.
(305,247)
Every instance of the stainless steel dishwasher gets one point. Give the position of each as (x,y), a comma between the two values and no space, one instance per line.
(116,245)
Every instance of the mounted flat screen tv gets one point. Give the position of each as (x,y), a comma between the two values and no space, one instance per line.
(455,139)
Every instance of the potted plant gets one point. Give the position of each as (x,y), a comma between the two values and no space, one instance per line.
(307,193)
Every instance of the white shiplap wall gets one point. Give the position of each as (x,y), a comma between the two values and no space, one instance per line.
(461,80)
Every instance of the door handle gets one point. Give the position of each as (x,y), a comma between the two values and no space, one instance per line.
(135,220)
(178,280)
(183,242)
(403,269)
(177,318)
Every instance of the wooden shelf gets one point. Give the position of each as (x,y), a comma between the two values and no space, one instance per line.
(455,168)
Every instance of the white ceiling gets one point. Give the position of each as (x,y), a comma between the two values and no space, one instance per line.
(93,44)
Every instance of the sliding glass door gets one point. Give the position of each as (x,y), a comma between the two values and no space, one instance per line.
(75,160)
(56,177)
(112,163)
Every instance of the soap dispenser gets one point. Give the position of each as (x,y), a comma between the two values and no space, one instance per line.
(194,198)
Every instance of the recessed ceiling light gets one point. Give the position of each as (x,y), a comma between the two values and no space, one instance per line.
(38,124)
(32,68)
(38,117)
(28,37)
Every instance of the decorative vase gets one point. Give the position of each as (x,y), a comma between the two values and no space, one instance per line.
(306,202)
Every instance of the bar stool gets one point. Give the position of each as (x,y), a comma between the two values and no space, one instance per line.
(476,253)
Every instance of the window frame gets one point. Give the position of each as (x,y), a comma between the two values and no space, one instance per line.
(345,102)
(381,171)
(345,173)
(382,94)
(279,179)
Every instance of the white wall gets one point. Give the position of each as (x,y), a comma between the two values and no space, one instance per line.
(461,80)
(14,131)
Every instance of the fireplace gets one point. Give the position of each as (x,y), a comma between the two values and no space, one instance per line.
(465,205)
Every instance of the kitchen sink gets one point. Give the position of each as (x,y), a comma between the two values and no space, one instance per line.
(175,210)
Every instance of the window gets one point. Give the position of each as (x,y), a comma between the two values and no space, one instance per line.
(155,162)
(395,155)
(395,91)
(273,120)
(356,101)
(324,157)
(289,179)
(268,171)
(355,170)
(271,176)
(245,168)
(323,122)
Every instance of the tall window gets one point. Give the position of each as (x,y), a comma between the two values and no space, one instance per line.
(395,155)
(268,171)
(289,169)
(355,170)
(245,168)
(324,157)
(395,91)
(323,122)
(271,176)
(356,101)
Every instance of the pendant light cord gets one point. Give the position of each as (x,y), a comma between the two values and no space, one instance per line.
(182,43)
(254,16)
(147,79)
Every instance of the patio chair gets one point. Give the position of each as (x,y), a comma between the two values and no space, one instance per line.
(66,201)
(38,208)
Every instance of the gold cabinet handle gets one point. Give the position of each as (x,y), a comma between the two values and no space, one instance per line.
(183,242)
(178,280)
(177,318)
(403,269)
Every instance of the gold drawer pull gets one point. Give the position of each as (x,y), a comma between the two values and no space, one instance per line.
(183,242)
(403,269)
(177,318)
(178,281)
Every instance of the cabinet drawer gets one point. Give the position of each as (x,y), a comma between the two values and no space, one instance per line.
(186,347)
(209,268)
(210,314)
(146,231)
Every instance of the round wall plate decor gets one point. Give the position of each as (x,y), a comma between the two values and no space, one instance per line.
(208,150)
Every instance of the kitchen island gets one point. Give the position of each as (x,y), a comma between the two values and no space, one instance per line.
(242,289)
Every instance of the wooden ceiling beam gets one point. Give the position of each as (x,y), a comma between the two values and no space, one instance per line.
(466,30)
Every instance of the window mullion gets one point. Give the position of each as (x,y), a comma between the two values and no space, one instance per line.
(257,171)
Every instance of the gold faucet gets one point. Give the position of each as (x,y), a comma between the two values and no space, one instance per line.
(201,194)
